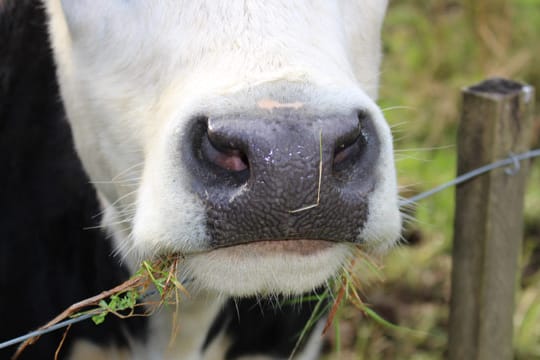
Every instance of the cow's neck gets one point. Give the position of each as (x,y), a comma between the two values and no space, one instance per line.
(194,317)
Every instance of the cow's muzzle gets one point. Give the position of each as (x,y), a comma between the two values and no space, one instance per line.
(284,174)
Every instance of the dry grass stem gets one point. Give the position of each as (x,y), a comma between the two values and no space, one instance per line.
(57,352)
(317,203)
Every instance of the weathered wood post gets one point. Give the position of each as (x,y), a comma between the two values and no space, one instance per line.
(496,122)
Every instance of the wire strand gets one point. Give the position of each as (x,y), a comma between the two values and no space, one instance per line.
(40,332)
(511,160)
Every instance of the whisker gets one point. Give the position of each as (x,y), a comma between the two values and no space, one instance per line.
(127,181)
(111,206)
(425,149)
(398,125)
(133,167)
(398,107)
(104,226)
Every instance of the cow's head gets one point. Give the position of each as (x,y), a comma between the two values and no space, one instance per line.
(241,134)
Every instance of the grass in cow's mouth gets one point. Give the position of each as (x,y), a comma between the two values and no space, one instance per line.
(160,274)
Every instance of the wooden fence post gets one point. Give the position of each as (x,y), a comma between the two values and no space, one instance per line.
(488,229)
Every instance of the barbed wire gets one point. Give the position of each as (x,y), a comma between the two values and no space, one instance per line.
(512,160)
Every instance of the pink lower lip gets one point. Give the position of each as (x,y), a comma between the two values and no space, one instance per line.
(298,247)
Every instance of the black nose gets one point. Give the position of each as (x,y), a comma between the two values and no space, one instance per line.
(283,174)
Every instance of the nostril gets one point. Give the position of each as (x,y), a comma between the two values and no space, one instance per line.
(230,159)
(222,149)
(346,154)
(216,155)
(351,147)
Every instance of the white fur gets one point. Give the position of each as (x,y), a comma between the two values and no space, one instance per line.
(132,73)
(247,273)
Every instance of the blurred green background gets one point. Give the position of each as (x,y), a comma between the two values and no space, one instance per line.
(433,48)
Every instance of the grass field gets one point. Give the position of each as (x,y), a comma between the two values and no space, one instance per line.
(433,49)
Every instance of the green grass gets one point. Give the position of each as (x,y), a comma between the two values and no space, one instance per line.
(432,50)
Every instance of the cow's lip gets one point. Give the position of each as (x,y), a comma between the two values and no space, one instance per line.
(302,247)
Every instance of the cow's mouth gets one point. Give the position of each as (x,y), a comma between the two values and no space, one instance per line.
(292,266)
(275,247)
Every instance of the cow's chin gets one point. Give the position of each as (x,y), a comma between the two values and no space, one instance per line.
(267,267)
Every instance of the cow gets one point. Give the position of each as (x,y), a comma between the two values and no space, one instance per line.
(241,135)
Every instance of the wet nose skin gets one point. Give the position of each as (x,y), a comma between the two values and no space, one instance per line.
(283,175)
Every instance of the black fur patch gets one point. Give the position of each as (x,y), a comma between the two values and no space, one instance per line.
(263,327)
(47,259)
